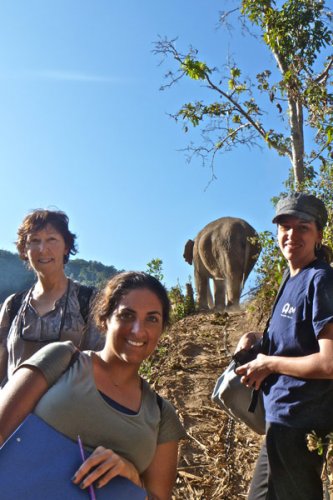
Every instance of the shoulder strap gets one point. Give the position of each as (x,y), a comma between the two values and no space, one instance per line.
(14,304)
(74,358)
(285,277)
(265,341)
(84,295)
(159,401)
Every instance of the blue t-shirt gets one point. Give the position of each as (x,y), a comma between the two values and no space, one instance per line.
(303,309)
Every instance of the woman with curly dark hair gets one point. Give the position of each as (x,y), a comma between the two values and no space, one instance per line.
(132,431)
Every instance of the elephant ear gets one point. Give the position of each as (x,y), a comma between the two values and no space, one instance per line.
(188,251)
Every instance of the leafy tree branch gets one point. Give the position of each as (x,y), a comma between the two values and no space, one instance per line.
(298,33)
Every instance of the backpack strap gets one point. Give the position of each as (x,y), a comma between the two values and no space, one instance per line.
(159,401)
(14,304)
(74,358)
(84,295)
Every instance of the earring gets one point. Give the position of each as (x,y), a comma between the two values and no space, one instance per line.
(318,246)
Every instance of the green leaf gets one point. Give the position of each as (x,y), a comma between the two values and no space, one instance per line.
(196,70)
(235,72)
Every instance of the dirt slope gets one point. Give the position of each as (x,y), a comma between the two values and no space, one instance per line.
(217,460)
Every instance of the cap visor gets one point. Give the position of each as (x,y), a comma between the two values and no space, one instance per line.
(294,213)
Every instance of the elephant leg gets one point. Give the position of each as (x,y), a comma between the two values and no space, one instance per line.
(233,291)
(219,294)
(203,290)
(210,298)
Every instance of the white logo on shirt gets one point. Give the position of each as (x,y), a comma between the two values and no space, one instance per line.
(288,310)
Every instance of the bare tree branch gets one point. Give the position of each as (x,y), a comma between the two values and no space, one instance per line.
(322,78)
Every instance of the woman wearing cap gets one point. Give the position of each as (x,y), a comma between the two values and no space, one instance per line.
(296,374)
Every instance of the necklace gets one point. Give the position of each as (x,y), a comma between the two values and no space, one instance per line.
(119,384)
(109,370)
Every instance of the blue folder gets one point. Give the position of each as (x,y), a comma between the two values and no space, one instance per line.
(37,463)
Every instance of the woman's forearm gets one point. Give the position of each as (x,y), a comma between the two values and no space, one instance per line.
(313,366)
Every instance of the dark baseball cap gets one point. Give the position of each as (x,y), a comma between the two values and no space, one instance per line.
(304,206)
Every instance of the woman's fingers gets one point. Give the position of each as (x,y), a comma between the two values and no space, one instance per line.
(253,373)
(242,371)
(102,466)
(107,476)
(101,462)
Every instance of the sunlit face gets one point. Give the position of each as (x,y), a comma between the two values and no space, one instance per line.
(135,326)
(297,240)
(45,250)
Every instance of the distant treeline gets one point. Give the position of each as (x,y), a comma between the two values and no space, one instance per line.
(15,276)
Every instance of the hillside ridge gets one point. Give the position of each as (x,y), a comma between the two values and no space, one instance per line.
(15,275)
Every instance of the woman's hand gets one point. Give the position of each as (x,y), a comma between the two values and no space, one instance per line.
(247,341)
(255,372)
(102,466)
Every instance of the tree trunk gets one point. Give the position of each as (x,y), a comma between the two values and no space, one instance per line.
(297,141)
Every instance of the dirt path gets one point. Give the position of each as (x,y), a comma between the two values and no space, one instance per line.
(217,460)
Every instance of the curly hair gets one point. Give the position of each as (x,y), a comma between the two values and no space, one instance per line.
(37,220)
(119,286)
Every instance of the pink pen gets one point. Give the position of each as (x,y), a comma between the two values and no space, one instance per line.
(90,488)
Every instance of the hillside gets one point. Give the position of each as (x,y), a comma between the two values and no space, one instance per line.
(15,275)
(217,460)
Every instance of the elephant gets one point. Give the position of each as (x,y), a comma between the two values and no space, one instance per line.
(225,251)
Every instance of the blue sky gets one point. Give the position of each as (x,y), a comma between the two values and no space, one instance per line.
(84,128)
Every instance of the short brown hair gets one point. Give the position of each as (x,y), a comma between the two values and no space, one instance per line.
(119,286)
(37,220)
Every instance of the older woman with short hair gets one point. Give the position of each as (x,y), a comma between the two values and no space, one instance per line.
(55,307)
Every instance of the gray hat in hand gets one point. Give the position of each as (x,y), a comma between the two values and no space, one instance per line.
(304,206)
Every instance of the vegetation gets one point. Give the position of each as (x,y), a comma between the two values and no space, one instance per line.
(323,447)
(154,267)
(181,305)
(269,272)
(15,275)
(91,272)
